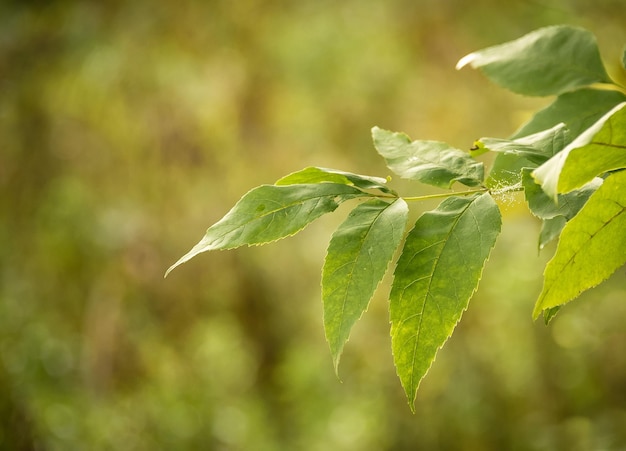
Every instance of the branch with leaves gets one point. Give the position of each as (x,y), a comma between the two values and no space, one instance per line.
(569,161)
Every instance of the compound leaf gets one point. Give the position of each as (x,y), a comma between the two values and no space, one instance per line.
(357,259)
(431,162)
(436,275)
(269,212)
(323,175)
(591,247)
(551,60)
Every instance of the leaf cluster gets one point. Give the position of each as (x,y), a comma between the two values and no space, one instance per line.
(569,161)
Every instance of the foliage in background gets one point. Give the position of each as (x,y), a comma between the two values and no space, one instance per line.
(560,170)
(125,125)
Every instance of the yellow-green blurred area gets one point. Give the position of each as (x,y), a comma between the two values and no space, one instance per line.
(127,128)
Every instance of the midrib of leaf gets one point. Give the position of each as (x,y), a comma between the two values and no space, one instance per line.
(295,204)
(609,125)
(428,291)
(353,263)
(616,146)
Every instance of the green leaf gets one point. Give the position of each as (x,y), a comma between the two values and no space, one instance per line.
(555,214)
(550,230)
(579,110)
(323,175)
(357,259)
(551,60)
(624,58)
(550,313)
(436,275)
(431,162)
(524,150)
(600,148)
(605,152)
(268,213)
(507,171)
(592,246)
(536,148)
(567,205)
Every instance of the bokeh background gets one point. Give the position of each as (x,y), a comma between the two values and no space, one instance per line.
(127,128)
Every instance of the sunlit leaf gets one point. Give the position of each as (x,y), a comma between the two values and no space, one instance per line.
(322,175)
(357,259)
(591,247)
(268,213)
(548,61)
(436,275)
(431,162)
(605,152)
(600,148)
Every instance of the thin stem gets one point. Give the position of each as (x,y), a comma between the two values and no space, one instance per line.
(508,189)
(436,196)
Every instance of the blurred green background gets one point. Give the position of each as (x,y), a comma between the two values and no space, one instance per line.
(127,128)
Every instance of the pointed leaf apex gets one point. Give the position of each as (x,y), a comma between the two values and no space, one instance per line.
(336,359)
(202,246)
(169,270)
(467,59)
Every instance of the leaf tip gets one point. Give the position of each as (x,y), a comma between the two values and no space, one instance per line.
(178,263)
(547,312)
(467,59)
(202,246)
(411,402)
(336,367)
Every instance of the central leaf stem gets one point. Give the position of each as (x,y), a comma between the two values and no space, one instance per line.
(440,195)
